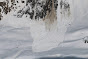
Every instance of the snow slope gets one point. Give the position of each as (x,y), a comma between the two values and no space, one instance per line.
(17,36)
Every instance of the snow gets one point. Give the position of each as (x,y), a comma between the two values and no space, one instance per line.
(22,38)
(2,0)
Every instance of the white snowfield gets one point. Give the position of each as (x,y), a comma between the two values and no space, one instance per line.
(22,38)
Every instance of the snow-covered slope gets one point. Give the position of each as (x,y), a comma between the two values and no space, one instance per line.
(26,38)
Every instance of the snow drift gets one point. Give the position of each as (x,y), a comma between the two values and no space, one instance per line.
(67,39)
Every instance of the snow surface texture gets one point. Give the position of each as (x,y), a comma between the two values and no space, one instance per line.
(26,38)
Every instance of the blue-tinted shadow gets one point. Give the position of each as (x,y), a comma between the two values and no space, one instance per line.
(61,58)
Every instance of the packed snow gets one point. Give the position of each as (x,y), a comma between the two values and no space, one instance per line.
(22,38)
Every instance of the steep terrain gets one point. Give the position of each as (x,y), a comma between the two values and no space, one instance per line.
(61,30)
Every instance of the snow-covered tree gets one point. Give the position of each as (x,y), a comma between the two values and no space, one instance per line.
(38,8)
(5,7)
